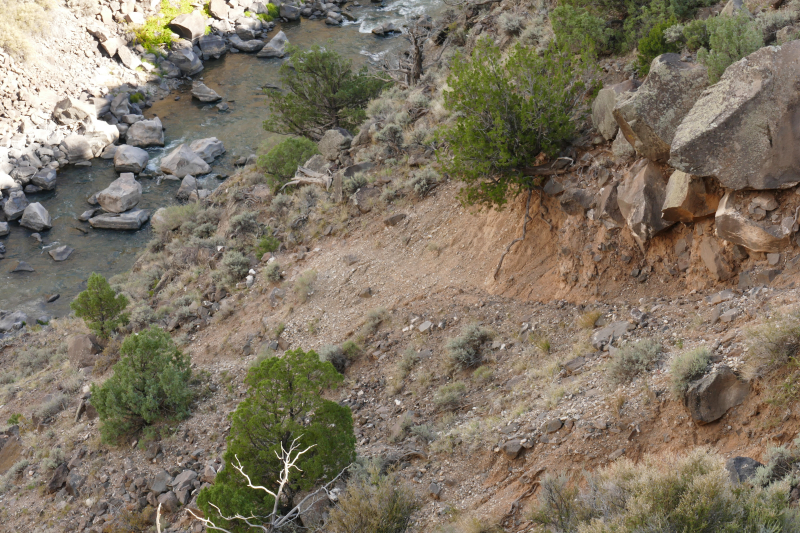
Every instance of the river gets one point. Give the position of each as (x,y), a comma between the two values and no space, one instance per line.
(238,78)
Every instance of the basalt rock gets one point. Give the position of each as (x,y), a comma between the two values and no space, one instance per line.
(734,226)
(651,115)
(743,130)
(203,93)
(603,107)
(190,26)
(208,149)
(183,161)
(709,398)
(123,194)
(186,61)
(688,198)
(276,47)
(36,217)
(130,220)
(640,198)
(146,133)
(130,159)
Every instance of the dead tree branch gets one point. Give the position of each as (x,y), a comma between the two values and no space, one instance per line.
(307,176)
(518,239)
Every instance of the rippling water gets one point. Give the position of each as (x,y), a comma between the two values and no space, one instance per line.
(238,78)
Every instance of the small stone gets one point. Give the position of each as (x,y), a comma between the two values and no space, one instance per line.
(553,425)
(425,326)
(21,266)
(365,293)
(773,259)
(61,253)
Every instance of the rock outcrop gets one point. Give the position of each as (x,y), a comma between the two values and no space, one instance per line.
(743,130)
(649,117)
(688,198)
(640,198)
(603,107)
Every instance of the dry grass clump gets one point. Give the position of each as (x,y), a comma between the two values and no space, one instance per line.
(773,344)
(693,492)
(466,350)
(588,319)
(450,396)
(373,320)
(688,367)
(304,285)
(21,20)
(631,360)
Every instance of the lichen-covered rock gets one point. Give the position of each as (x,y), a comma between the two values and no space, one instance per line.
(603,107)
(743,130)
(650,116)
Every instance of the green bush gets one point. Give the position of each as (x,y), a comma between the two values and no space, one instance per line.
(283,403)
(351,185)
(282,161)
(351,349)
(578,31)
(322,92)
(373,504)
(687,367)
(653,45)
(450,396)
(150,383)
(334,355)
(466,350)
(730,39)
(686,9)
(236,264)
(156,31)
(631,360)
(273,272)
(691,493)
(773,344)
(20,20)
(696,34)
(423,181)
(100,307)
(246,222)
(267,244)
(508,112)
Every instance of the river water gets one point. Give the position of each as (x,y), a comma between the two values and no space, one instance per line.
(238,78)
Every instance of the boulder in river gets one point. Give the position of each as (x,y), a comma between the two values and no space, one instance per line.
(182,162)
(12,321)
(744,129)
(186,61)
(15,205)
(276,47)
(386,29)
(6,181)
(36,217)
(290,12)
(4,229)
(169,70)
(77,148)
(130,159)
(246,46)
(188,186)
(130,220)
(61,253)
(190,26)
(200,91)
(123,194)
(213,46)
(45,179)
(247,28)
(146,133)
(21,266)
(209,149)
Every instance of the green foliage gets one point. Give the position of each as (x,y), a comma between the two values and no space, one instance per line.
(136,98)
(691,493)
(631,360)
(246,222)
(730,39)
(267,244)
(283,403)
(236,264)
(100,307)
(322,92)
(653,45)
(508,112)
(282,161)
(150,383)
(687,367)
(20,20)
(450,396)
(578,30)
(373,504)
(686,9)
(466,350)
(155,32)
(270,15)
(351,349)
(696,34)
(14,419)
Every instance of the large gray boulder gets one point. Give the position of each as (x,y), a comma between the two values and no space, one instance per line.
(45,179)
(246,46)
(36,217)
(102,134)
(734,226)
(640,198)
(130,159)
(744,130)
(200,91)
(247,28)
(146,133)
(70,111)
(128,58)
(183,161)
(120,105)
(82,350)
(333,142)
(190,26)
(688,198)
(12,321)
(603,107)
(213,46)
(290,12)
(15,205)
(612,332)
(218,9)
(188,63)
(741,469)
(651,115)
(77,148)
(709,398)
(123,194)
(208,149)
(276,47)
(130,220)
